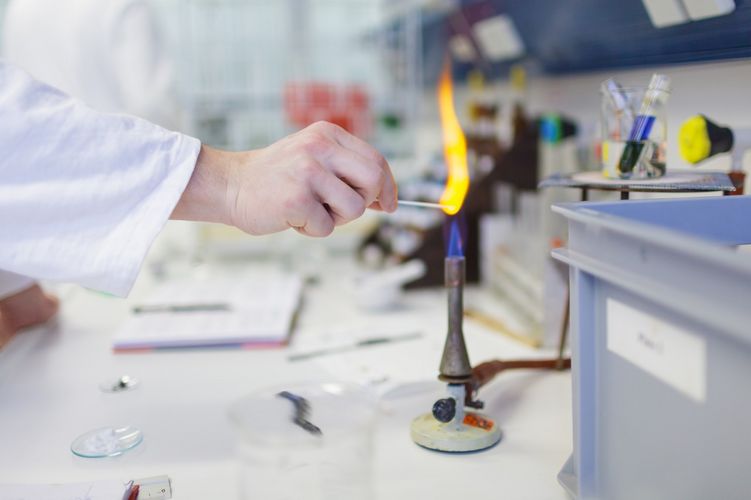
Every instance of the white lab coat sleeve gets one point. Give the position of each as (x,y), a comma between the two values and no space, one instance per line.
(82,194)
(11,284)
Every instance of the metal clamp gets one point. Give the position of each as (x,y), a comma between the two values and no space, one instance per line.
(302,408)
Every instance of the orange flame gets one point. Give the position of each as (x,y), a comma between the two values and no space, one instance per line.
(454,147)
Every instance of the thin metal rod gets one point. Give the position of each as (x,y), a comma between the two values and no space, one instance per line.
(372,341)
(425,204)
(559,365)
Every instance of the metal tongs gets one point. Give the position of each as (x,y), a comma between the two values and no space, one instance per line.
(302,410)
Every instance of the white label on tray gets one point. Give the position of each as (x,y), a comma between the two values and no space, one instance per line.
(671,354)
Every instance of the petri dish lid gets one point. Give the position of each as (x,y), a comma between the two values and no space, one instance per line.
(337,409)
(106,442)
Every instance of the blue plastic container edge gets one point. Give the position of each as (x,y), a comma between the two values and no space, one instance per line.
(659,235)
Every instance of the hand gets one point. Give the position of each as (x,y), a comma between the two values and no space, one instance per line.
(29,307)
(312,181)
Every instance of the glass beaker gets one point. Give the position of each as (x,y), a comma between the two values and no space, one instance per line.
(634,129)
(283,458)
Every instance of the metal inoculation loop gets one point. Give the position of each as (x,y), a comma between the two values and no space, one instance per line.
(124,383)
(302,409)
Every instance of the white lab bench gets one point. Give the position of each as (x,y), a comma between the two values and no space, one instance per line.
(49,394)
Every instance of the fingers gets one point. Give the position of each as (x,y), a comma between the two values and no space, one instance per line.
(357,173)
(318,222)
(311,181)
(343,203)
(6,331)
(376,205)
(361,166)
(303,207)
(28,308)
(323,202)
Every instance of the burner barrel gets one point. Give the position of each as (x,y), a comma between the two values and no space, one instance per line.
(455,366)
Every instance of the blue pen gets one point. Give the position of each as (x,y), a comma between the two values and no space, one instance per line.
(659,85)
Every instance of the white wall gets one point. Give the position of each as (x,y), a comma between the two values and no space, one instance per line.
(3,6)
(722,91)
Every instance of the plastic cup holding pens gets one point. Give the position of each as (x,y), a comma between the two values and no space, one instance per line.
(311,441)
(634,129)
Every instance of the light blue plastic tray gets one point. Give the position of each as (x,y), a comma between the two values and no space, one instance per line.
(661,346)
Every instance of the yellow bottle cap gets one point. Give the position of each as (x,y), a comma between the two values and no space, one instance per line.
(518,77)
(476,80)
(693,140)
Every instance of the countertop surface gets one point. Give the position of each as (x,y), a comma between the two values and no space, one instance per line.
(50,377)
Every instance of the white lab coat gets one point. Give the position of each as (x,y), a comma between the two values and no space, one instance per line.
(82,193)
(110,54)
(11,283)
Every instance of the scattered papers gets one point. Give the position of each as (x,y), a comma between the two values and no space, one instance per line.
(257,309)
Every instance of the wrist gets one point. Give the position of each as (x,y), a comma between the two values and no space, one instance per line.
(206,197)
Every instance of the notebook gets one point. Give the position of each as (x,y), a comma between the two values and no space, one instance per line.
(97,490)
(249,309)
(154,488)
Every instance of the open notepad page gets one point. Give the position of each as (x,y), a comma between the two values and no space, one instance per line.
(97,490)
(260,308)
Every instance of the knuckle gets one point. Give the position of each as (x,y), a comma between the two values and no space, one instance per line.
(380,159)
(315,144)
(297,201)
(322,126)
(309,168)
(376,157)
(336,129)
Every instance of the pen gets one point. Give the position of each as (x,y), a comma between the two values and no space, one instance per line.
(619,101)
(180,308)
(361,343)
(134,492)
(659,85)
(128,488)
